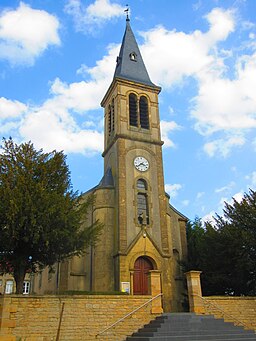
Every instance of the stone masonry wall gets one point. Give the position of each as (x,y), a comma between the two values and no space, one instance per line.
(38,318)
(240,310)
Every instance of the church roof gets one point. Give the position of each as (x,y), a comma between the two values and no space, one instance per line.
(130,64)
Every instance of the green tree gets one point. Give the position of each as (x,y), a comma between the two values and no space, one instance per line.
(238,232)
(225,251)
(41,219)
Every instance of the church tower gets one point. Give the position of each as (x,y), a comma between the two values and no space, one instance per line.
(143,227)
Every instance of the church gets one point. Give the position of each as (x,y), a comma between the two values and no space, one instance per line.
(142,231)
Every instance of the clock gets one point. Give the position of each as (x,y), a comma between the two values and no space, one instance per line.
(141,163)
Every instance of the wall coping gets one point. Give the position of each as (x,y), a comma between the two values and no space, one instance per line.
(27,297)
(242,298)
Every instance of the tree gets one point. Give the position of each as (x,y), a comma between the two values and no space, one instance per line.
(41,219)
(238,231)
(225,251)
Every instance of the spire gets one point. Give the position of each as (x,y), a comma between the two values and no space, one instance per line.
(130,64)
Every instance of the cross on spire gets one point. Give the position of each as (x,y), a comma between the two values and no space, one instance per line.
(127,10)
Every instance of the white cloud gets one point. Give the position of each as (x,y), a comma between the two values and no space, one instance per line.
(237,196)
(223,147)
(87,19)
(187,54)
(25,33)
(166,129)
(49,131)
(225,188)
(11,109)
(252,179)
(172,190)
(225,102)
(209,217)
(63,121)
(185,202)
(200,195)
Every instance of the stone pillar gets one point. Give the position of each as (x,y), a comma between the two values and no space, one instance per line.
(196,304)
(131,281)
(155,289)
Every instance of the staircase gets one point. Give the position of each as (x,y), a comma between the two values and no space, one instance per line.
(190,327)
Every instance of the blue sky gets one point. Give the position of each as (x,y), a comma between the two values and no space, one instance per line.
(57,59)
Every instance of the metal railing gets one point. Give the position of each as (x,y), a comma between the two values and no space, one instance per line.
(128,315)
(223,312)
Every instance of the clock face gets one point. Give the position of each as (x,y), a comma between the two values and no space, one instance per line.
(141,163)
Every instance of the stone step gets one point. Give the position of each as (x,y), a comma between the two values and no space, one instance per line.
(147,332)
(169,338)
(206,336)
(191,327)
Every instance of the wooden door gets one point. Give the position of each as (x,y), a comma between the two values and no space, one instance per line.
(140,281)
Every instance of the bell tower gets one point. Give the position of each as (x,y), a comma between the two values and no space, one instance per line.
(133,154)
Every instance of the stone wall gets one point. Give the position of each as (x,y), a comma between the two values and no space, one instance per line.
(72,318)
(240,310)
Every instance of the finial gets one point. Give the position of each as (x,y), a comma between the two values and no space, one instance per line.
(127,12)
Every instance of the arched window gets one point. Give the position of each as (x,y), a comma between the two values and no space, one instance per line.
(143,104)
(109,120)
(141,184)
(113,115)
(142,202)
(133,110)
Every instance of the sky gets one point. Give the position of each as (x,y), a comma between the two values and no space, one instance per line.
(57,59)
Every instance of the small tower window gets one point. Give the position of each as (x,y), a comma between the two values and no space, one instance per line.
(142,202)
(133,56)
(113,115)
(133,110)
(143,104)
(109,120)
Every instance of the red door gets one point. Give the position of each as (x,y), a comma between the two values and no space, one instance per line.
(140,280)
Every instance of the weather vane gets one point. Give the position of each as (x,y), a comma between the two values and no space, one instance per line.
(127,12)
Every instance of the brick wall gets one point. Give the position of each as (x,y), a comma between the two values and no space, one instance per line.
(233,309)
(37,318)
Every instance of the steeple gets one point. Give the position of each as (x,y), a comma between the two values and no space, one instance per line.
(130,64)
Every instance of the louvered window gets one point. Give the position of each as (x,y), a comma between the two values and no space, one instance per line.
(113,115)
(144,121)
(109,120)
(133,110)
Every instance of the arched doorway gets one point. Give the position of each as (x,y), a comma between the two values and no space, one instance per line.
(140,280)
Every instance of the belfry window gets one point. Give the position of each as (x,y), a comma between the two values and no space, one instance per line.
(111,118)
(142,202)
(113,115)
(133,110)
(138,111)
(144,123)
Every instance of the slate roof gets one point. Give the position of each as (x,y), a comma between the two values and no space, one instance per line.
(130,64)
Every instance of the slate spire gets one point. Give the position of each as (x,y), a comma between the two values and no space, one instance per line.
(130,64)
